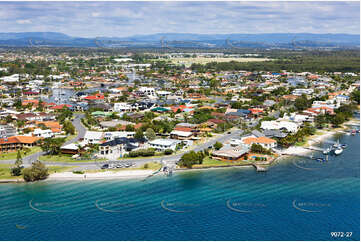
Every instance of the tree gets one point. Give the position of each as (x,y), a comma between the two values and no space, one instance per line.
(19,160)
(129,128)
(355,96)
(37,171)
(338,119)
(16,171)
(68,127)
(139,135)
(52,145)
(191,158)
(150,134)
(256,148)
(218,145)
(301,103)
(168,151)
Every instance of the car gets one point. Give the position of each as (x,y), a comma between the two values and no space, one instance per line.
(210,147)
(229,132)
(105,166)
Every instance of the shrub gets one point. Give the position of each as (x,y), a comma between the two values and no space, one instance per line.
(218,145)
(168,152)
(78,172)
(142,152)
(36,172)
(16,171)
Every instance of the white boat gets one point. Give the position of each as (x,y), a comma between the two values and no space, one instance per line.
(326,151)
(338,151)
(337,144)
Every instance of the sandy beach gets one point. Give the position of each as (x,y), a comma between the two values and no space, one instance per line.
(101,175)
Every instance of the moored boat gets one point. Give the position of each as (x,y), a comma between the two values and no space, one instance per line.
(338,151)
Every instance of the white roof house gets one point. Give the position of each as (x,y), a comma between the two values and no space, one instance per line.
(93,137)
(330,103)
(163,144)
(278,125)
(44,133)
(183,134)
(299,92)
(122,107)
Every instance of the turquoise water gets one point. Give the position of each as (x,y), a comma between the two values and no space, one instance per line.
(285,203)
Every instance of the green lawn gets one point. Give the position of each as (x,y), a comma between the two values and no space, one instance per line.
(63,158)
(5,172)
(13,155)
(209,162)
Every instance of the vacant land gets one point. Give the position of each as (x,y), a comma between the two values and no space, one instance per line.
(188,61)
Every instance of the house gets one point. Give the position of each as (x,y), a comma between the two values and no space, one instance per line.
(93,137)
(118,134)
(181,135)
(230,153)
(7,131)
(43,133)
(148,91)
(342,99)
(97,96)
(187,125)
(123,107)
(288,126)
(72,148)
(213,123)
(54,126)
(300,91)
(164,144)
(16,143)
(61,106)
(265,142)
(116,148)
(330,103)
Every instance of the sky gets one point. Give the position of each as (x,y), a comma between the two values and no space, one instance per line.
(121,19)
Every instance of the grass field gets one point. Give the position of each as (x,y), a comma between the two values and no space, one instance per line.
(6,175)
(63,158)
(204,60)
(209,162)
(5,172)
(13,155)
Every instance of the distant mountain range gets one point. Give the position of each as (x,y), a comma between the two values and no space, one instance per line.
(174,40)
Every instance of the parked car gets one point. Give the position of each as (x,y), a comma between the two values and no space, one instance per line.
(105,166)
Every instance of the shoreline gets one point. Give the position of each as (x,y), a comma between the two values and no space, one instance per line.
(139,174)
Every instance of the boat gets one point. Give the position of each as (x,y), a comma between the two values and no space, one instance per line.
(337,144)
(327,151)
(338,151)
(320,159)
(343,146)
(353,132)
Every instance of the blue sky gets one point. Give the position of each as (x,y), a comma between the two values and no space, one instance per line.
(119,19)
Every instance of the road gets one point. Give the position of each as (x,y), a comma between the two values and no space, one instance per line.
(169,160)
(27,161)
(79,128)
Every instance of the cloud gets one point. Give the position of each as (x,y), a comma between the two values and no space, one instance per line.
(95,14)
(23,21)
(90,19)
